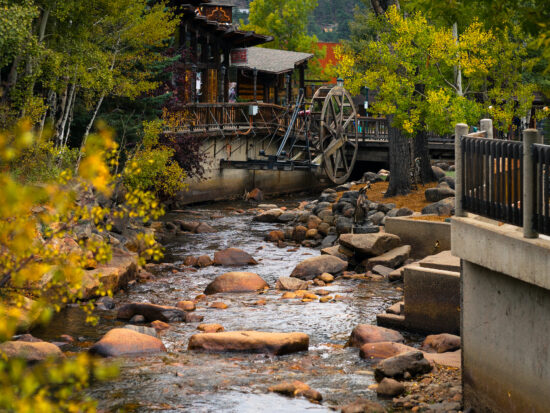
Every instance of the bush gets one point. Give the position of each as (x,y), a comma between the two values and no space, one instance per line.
(152,167)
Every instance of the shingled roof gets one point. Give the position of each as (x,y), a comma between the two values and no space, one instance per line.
(272,60)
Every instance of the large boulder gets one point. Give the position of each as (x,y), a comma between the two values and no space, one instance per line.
(315,266)
(383,350)
(437,194)
(269,216)
(366,333)
(151,312)
(444,207)
(124,341)
(30,351)
(392,259)
(236,282)
(233,257)
(251,342)
(291,284)
(370,244)
(395,367)
(441,343)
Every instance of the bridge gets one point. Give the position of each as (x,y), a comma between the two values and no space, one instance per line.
(264,136)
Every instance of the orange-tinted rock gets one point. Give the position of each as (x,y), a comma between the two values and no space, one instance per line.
(441,343)
(288,295)
(204,261)
(383,350)
(260,302)
(219,305)
(276,236)
(315,266)
(30,351)
(160,325)
(210,328)
(236,282)
(299,233)
(186,305)
(250,341)
(122,341)
(366,333)
(255,195)
(190,261)
(233,256)
(325,299)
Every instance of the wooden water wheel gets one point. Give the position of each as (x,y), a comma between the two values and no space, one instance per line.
(333,120)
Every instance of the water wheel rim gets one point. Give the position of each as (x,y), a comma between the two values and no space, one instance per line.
(338,135)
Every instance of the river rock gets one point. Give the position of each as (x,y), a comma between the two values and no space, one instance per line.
(315,266)
(366,333)
(441,343)
(439,193)
(377,217)
(189,226)
(204,228)
(335,252)
(383,350)
(392,259)
(363,406)
(255,195)
(30,351)
(449,180)
(344,225)
(299,233)
(438,172)
(326,277)
(233,257)
(186,305)
(390,388)
(291,284)
(236,282)
(106,302)
(204,261)
(219,305)
(150,331)
(190,261)
(151,312)
(210,328)
(444,207)
(269,216)
(370,244)
(296,388)
(160,325)
(123,341)
(251,342)
(395,367)
(276,236)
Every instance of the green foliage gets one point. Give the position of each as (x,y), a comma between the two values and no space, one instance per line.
(413,64)
(152,167)
(42,266)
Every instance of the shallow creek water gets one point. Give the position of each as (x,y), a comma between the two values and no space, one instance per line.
(231,382)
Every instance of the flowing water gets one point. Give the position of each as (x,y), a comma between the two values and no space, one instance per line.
(232,382)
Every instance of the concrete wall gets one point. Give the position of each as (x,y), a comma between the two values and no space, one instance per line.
(422,236)
(220,184)
(505,317)
(432,300)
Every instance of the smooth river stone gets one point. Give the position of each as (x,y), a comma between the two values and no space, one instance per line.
(236,282)
(250,342)
(123,341)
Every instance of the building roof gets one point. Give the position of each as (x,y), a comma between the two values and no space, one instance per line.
(228,32)
(273,60)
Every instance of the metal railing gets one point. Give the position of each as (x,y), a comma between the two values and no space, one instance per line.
(371,128)
(541,165)
(508,181)
(492,178)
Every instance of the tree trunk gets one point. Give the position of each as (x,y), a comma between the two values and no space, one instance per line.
(400,183)
(422,157)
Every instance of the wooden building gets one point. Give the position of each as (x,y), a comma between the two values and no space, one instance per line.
(266,74)
(207,37)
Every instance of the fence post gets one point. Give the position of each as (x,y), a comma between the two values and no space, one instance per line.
(487,126)
(461,129)
(530,137)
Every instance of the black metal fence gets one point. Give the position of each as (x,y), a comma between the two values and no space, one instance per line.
(492,176)
(541,161)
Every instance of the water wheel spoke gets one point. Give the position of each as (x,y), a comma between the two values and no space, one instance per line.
(345,159)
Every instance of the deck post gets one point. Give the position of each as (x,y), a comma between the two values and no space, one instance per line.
(461,129)
(255,72)
(530,137)
(486,125)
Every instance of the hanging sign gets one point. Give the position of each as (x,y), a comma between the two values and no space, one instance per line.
(239,56)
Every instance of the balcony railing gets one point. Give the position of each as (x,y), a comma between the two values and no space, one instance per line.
(508,181)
